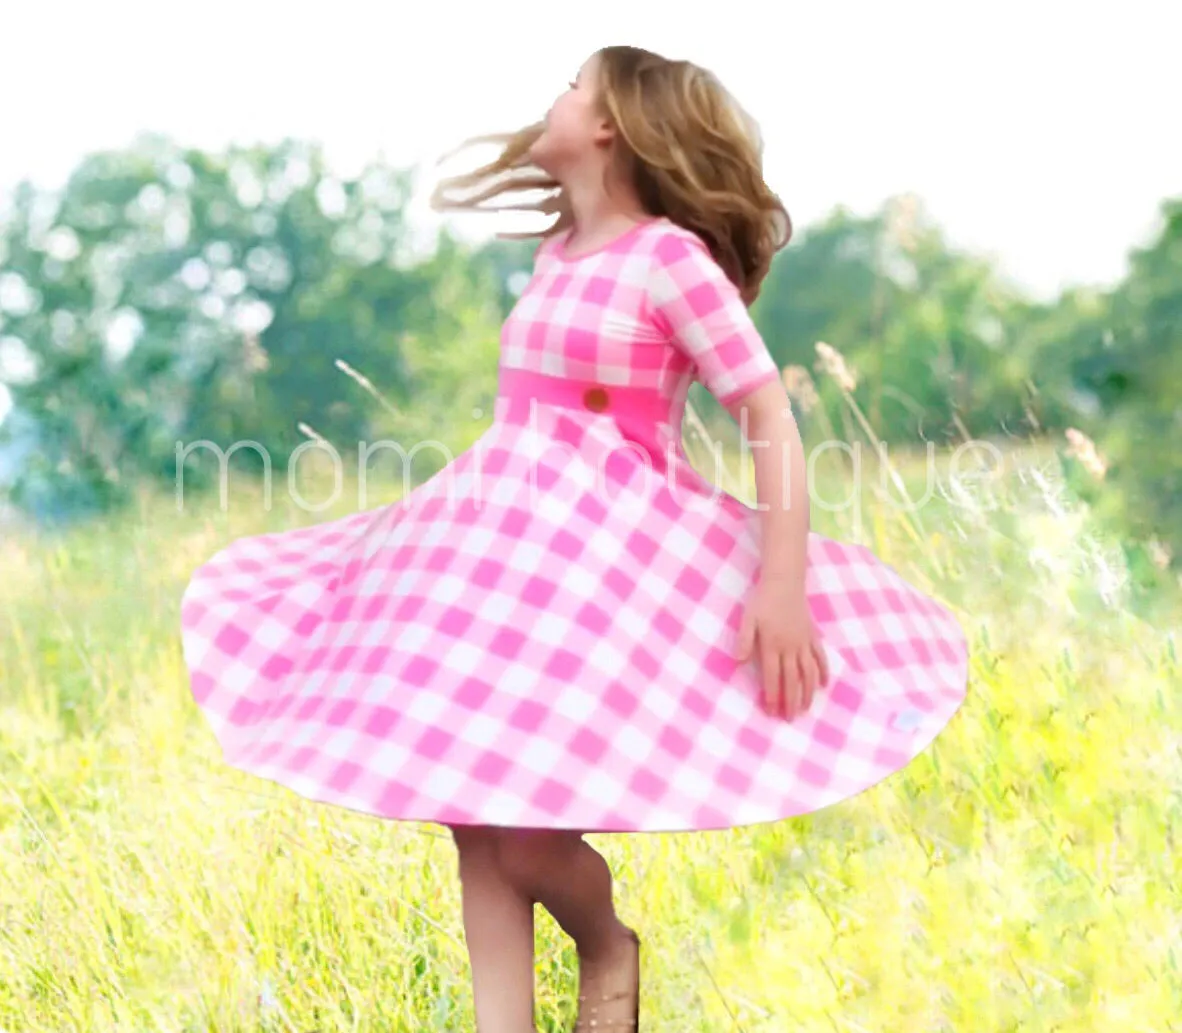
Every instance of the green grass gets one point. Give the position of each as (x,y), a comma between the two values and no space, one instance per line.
(1020,875)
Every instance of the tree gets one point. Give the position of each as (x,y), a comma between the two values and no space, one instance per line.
(925,327)
(169,296)
(1134,369)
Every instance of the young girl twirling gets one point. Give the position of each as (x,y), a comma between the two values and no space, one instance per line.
(569,630)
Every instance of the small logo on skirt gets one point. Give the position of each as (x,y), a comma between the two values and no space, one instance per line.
(908,720)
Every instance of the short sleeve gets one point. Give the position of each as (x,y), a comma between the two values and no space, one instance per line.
(693,300)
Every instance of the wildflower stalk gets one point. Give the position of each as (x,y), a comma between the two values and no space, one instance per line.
(366,385)
(699,428)
(833,363)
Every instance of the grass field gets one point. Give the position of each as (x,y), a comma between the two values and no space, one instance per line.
(1020,875)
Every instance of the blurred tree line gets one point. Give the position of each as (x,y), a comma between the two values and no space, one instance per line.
(172,295)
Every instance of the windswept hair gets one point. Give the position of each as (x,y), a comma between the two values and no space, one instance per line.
(694,155)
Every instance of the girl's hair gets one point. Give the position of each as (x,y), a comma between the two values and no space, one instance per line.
(694,156)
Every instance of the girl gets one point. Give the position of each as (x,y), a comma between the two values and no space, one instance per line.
(569,630)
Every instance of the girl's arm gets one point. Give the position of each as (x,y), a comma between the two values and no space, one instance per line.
(704,316)
(781,480)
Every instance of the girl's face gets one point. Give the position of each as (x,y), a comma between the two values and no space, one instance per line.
(574,128)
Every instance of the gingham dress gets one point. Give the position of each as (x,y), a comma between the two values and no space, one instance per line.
(542,634)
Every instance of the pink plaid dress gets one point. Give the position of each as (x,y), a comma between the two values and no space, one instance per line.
(542,634)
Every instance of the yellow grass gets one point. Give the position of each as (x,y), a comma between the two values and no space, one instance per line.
(1020,875)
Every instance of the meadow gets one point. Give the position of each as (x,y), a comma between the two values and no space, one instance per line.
(1018,876)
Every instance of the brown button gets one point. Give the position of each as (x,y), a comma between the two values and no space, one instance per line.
(595,399)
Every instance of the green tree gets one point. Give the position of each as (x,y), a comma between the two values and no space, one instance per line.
(170,295)
(1134,369)
(926,328)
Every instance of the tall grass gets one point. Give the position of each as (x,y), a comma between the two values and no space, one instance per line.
(1020,875)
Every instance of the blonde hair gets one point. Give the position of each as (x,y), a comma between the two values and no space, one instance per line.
(693,154)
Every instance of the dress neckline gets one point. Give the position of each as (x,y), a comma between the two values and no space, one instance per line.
(562,255)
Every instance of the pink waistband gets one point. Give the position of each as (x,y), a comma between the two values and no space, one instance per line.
(518,387)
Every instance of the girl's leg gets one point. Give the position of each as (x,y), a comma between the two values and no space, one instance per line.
(572,880)
(499,931)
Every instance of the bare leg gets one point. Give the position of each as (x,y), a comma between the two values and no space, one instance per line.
(499,931)
(573,882)
(568,877)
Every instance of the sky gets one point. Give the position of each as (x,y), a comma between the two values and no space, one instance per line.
(1041,133)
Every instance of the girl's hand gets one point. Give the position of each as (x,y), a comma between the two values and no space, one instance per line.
(791,655)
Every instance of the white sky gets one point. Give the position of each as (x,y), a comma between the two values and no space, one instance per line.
(1042,132)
